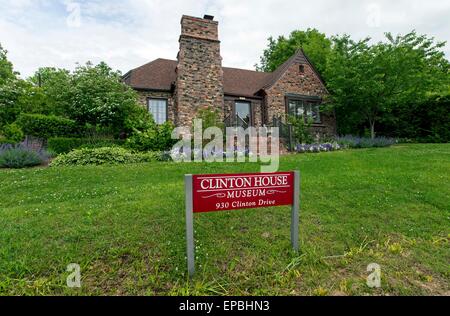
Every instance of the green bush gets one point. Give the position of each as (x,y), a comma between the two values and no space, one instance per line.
(155,138)
(104,155)
(45,127)
(12,133)
(301,129)
(63,145)
(20,157)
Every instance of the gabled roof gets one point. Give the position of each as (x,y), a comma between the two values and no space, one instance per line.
(299,57)
(160,74)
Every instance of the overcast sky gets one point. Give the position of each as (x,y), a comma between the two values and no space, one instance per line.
(129,33)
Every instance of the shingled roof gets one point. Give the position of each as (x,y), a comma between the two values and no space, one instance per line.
(160,74)
(156,75)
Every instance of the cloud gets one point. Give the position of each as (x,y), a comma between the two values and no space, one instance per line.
(129,33)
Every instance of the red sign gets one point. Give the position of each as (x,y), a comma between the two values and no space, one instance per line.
(239,191)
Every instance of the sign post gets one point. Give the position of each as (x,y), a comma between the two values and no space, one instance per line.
(222,192)
(189,225)
(295,211)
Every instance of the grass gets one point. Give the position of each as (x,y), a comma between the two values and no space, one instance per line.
(124,225)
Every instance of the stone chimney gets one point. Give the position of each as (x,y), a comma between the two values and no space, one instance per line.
(199,82)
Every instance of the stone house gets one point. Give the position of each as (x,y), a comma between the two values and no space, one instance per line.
(176,89)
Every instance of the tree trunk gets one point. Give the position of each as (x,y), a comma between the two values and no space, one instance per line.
(372,129)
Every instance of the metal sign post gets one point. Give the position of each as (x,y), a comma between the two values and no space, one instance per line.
(208,193)
(295,211)
(189,225)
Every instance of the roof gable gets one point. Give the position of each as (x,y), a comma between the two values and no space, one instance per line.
(300,58)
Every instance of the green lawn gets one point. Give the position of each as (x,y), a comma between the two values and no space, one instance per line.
(124,225)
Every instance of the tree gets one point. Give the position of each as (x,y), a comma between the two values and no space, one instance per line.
(315,44)
(11,89)
(98,97)
(51,91)
(91,95)
(368,81)
(6,67)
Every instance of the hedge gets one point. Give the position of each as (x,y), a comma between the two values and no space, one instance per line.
(12,133)
(63,145)
(104,155)
(45,127)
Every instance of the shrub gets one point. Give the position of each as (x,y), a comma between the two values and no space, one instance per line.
(301,129)
(43,126)
(100,156)
(19,156)
(12,133)
(63,145)
(99,97)
(210,117)
(365,142)
(156,138)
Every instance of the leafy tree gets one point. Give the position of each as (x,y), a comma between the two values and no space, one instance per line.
(368,81)
(423,121)
(10,93)
(11,89)
(51,91)
(99,97)
(315,44)
(17,95)
(6,67)
(92,95)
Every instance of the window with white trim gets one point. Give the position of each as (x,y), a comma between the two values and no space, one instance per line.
(158,109)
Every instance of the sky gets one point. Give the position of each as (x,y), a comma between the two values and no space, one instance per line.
(129,33)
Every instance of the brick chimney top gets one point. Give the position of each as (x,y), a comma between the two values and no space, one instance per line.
(205,28)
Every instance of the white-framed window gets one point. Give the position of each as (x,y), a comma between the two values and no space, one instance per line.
(158,109)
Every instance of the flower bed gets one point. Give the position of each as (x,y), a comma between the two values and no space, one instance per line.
(365,142)
(21,156)
(317,148)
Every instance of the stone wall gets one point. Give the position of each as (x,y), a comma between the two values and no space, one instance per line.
(199,81)
(295,81)
(326,129)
